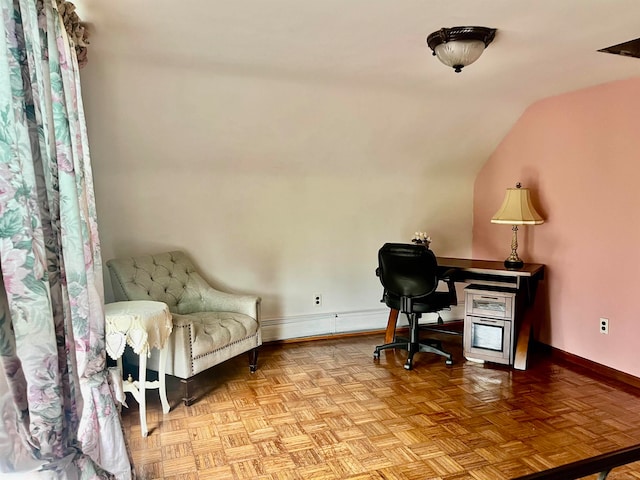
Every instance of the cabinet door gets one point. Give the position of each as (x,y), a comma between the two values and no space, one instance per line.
(488,339)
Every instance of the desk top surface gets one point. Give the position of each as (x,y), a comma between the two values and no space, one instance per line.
(490,267)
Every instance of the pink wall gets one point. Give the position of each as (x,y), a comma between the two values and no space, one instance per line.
(580,155)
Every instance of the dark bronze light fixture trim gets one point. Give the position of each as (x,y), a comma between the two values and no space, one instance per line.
(443,35)
(468,48)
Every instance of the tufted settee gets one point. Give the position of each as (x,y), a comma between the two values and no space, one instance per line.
(209,326)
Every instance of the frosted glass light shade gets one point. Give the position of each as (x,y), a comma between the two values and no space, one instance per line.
(460,53)
(517,209)
(458,47)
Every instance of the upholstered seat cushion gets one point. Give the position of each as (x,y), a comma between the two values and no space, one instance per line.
(215,330)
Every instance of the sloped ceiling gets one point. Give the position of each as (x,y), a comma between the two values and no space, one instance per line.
(542,48)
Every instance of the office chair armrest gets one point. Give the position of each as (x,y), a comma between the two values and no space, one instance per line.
(449,277)
(384,292)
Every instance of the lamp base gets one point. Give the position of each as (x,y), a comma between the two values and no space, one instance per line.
(513,265)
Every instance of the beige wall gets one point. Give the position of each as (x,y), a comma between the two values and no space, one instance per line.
(579,154)
(276,184)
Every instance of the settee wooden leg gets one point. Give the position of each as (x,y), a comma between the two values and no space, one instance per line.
(187,398)
(253,360)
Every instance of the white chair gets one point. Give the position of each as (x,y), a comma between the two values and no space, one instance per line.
(209,326)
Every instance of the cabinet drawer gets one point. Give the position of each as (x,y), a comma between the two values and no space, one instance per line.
(489,304)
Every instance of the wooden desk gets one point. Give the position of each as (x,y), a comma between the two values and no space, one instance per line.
(490,272)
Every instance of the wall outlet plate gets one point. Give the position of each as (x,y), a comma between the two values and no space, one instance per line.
(604,326)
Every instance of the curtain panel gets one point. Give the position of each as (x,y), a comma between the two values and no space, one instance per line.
(56,406)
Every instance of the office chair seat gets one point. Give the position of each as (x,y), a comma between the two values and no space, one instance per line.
(433,303)
(409,275)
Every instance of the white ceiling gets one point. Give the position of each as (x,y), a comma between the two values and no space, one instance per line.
(542,48)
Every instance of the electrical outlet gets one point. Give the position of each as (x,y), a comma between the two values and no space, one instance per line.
(604,326)
(317,299)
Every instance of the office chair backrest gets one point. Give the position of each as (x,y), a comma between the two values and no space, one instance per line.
(407,270)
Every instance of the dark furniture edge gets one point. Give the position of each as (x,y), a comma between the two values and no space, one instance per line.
(582,468)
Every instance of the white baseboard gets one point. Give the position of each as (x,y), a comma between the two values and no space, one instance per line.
(324,324)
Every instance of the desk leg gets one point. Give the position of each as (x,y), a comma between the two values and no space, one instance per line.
(161,380)
(142,391)
(522,347)
(391,326)
(524,335)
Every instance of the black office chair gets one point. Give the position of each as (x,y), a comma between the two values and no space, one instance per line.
(409,275)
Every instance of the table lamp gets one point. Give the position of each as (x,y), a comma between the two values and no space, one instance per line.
(516,209)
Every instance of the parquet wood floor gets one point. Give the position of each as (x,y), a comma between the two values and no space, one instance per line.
(326,410)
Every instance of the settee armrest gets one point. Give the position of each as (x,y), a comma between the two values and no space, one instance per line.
(202,297)
(216,301)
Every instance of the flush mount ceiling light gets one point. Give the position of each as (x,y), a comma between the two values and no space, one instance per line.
(458,47)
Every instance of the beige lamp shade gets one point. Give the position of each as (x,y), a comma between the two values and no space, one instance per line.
(517,209)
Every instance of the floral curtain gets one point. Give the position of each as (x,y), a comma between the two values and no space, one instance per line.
(56,407)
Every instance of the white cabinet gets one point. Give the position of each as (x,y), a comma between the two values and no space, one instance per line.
(489,323)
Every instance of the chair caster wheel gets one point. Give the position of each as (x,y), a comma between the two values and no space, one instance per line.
(408,366)
(376,355)
(448,361)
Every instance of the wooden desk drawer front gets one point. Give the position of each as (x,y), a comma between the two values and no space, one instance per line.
(489,304)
